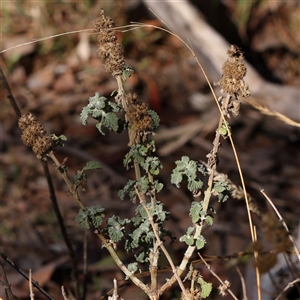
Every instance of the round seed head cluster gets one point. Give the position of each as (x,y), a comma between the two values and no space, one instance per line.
(109,50)
(139,120)
(234,70)
(137,114)
(34,135)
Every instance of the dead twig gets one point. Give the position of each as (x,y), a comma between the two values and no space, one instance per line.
(283,224)
(31,294)
(224,284)
(243,284)
(62,226)
(8,291)
(289,285)
(34,283)
(64,293)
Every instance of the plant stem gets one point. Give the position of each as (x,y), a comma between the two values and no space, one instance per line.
(120,264)
(206,200)
(64,174)
(6,284)
(62,227)
(161,245)
(34,283)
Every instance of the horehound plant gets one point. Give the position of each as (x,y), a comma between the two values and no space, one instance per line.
(144,234)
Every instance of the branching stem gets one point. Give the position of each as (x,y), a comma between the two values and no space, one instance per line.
(161,245)
(120,264)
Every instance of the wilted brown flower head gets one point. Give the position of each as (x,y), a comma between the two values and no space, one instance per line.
(234,70)
(34,135)
(140,122)
(109,50)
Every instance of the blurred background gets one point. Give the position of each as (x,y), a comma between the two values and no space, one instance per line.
(54,79)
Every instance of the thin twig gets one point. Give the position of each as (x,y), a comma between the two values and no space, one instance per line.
(64,293)
(6,284)
(62,226)
(219,279)
(256,267)
(283,223)
(50,186)
(64,174)
(85,279)
(35,284)
(115,295)
(289,285)
(10,96)
(30,286)
(243,284)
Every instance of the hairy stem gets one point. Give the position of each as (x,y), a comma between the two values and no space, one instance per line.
(190,250)
(161,245)
(120,264)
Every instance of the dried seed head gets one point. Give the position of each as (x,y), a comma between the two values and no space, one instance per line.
(43,145)
(34,135)
(109,50)
(234,70)
(26,120)
(140,122)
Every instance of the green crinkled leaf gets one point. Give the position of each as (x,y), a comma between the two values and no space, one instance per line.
(158,186)
(200,242)
(128,190)
(139,153)
(95,214)
(140,211)
(152,165)
(196,211)
(141,257)
(110,120)
(92,165)
(190,230)
(115,235)
(206,287)
(187,169)
(188,238)
(189,241)
(133,267)
(143,229)
(209,220)
(127,70)
(103,111)
(82,219)
(116,228)
(155,118)
(221,189)
(84,115)
(144,184)
(92,214)
(58,140)
(96,104)
(176,178)
(160,212)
